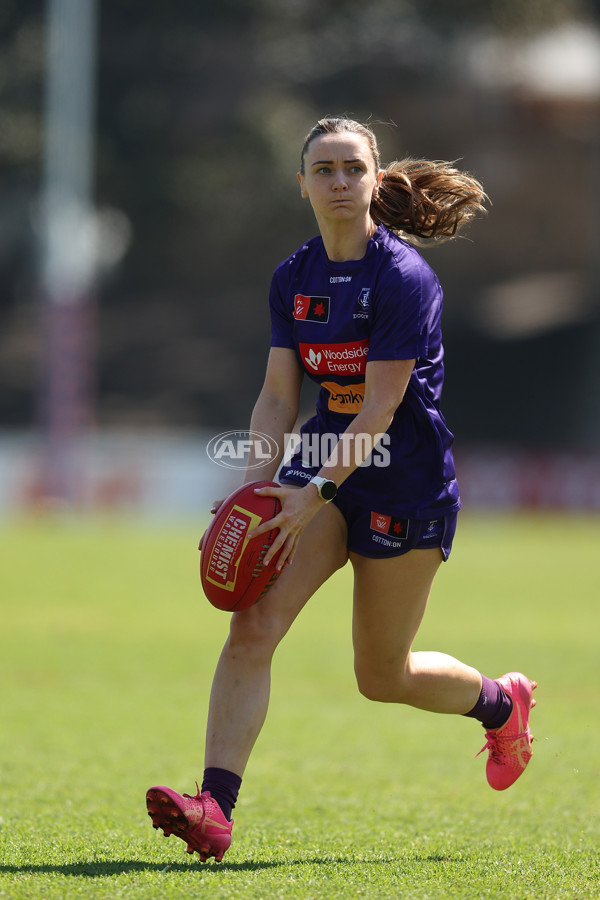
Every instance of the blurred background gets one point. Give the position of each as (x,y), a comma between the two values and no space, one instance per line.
(148,154)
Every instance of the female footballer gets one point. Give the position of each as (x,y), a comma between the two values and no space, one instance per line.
(358,310)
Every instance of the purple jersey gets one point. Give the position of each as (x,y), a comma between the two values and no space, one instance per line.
(337,316)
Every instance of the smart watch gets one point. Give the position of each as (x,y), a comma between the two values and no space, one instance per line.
(327,489)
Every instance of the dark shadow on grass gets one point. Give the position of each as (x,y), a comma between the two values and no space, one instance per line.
(120,867)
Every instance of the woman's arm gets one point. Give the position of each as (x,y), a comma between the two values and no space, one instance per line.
(385,385)
(276,408)
(274,414)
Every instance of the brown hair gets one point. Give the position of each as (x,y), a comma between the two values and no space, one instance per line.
(422,200)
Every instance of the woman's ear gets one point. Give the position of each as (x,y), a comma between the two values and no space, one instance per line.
(378,182)
(303,192)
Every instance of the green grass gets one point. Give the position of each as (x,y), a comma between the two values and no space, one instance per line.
(106,654)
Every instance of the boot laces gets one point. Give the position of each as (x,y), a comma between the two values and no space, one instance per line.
(502,746)
(198,797)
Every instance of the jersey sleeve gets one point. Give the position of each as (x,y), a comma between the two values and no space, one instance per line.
(405,312)
(281,317)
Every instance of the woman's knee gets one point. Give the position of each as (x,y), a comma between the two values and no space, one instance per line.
(382,683)
(253,633)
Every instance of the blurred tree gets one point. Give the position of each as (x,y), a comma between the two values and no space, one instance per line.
(201,113)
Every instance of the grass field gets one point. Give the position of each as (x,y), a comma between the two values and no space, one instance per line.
(106,653)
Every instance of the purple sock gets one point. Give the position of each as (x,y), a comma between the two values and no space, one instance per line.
(224,787)
(494,705)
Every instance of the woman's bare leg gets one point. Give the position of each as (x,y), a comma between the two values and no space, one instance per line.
(241,687)
(390,597)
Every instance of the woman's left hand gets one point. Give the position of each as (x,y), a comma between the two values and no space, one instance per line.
(298,506)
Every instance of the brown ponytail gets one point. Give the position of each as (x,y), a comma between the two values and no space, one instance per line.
(426,201)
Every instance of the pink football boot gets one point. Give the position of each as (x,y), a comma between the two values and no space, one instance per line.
(199,820)
(510,745)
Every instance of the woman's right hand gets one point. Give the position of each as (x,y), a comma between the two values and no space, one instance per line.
(298,506)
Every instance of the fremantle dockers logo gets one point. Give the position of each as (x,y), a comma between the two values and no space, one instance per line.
(311,309)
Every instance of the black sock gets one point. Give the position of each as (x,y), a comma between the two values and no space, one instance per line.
(494,705)
(224,787)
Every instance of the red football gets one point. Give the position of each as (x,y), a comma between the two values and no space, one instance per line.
(231,567)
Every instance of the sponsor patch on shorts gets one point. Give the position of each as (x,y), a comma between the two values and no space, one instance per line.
(389,525)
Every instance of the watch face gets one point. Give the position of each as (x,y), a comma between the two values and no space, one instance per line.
(328,490)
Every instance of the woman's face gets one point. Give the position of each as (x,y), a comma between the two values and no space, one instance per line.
(340,177)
